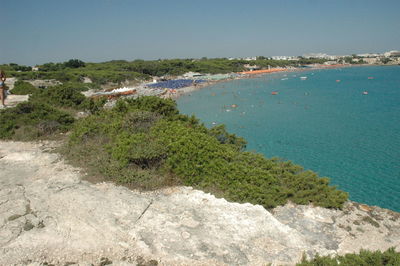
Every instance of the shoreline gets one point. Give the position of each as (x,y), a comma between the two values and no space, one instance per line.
(187,90)
(211,121)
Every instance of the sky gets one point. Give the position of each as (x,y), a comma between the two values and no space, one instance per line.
(41,31)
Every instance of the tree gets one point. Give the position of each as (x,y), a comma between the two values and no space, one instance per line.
(74,63)
(17,67)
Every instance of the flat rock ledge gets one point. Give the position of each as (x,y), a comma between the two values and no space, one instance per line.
(49,215)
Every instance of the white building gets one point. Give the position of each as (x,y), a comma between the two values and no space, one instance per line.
(371,60)
(280,57)
(192,74)
(284,57)
(368,55)
(251,67)
(321,56)
(392,53)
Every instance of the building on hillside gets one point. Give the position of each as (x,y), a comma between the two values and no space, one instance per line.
(251,67)
(320,56)
(192,75)
(392,53)
(368,55)
(280,57)
(331,62)
(371,60)
(250,58)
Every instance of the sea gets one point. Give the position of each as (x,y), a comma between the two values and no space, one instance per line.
(342,123)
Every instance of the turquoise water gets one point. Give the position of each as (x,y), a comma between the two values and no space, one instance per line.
(327,126)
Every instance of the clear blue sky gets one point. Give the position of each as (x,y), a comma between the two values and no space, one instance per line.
(39,31)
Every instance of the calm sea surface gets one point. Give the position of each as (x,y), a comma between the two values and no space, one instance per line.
(321,123)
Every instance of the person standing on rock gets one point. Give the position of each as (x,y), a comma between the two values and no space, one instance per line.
(2,87)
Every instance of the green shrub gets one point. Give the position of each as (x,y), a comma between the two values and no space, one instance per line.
(149,137)
(164,107)
(68,96)
(220,133)
(364,258)
(100,143)
(139,149)
(23,88)
(61,95)
(74,63)
(93,105)
(140,121)
(28,121)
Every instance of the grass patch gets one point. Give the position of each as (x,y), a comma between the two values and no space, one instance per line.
(371,221)
(365,257)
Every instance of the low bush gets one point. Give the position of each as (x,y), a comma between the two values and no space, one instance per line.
(365,257)
(115,145)
(220,133)
(61,95)
(139,149)
(67,95)
(164,107)
(147,140)
(23,88)
(28,121)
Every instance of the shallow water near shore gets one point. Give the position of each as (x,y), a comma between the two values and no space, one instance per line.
(341,123)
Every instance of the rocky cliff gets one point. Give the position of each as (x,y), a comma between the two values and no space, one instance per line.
(48,214)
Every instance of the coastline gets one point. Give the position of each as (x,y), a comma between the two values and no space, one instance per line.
(246,75)
(348,87)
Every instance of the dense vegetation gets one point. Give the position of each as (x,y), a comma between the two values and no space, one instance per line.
(48,112)
(23,88)
(29,121)
(120,70)
(146,143)
(61,96)
(364,258)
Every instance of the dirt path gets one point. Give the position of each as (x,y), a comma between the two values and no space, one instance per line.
(48,214)
(13,100)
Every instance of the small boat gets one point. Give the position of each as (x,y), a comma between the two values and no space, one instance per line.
(338,80)
(365,92)
(370,77)
(274,93)
(303,78)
